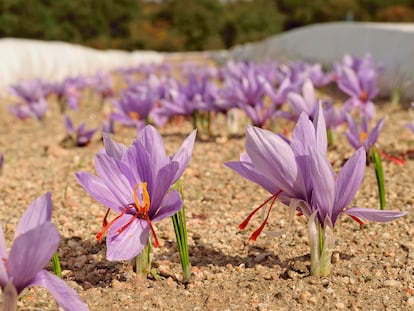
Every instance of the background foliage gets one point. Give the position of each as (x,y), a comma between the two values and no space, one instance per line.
(176,25)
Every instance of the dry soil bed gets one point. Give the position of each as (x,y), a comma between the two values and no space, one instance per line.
(373,266)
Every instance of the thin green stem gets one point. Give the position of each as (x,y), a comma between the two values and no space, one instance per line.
(56,265)
(180,228)
(143,260)
(330,136)
(379,173)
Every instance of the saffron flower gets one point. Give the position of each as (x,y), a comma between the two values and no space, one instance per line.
(358,79)
(359,135)
(32,99)
(135,183)
(81,136)
(298,174)
(36,240)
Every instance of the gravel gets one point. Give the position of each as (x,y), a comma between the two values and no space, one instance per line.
(373,265)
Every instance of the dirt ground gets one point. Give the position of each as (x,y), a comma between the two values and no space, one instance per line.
(372,265)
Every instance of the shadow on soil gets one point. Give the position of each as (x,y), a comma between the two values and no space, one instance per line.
(83,258)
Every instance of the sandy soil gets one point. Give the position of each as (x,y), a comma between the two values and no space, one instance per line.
(373,265)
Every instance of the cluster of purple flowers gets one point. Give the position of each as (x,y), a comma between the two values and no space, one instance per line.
(264,92)
(136,182)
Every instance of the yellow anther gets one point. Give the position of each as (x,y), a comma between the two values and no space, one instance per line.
(362,137)
(145,198)
(134,115)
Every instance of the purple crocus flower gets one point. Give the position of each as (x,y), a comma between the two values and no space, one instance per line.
(32,99)
(30,90)
(135,183)
(25,110)
(102,83)
(69,91)
(82,136)
(358,79)
(307,102)
(298,173)
(135,104)
(248,92)
(359,135)
(36,240)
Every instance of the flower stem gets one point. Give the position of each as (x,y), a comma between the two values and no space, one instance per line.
(330,136)
(379,173)
(56,265)
(143,260)
(180,228)
(321,243)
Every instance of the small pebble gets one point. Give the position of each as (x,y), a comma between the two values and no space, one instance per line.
(392,283)
(410,302)
(304,296)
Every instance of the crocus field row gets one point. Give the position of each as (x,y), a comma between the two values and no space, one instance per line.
(140,184)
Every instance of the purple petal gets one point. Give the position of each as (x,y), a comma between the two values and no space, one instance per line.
(297,103)
(308,92)
(69,125)
(320,126)
(172,204)
(247,170)
(98,190)
(65,296)
(3,255)
(162,184)
(138,164)
(274,158)
(109,170)
(39,212)
(183,155)
(152,142)
(130,242)
(303,135)
(112,148)
(350,83)
(373,136)
(374,214)
(31,252)
(348,181)
(323,184)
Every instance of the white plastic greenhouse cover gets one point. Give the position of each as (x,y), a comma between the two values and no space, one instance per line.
(53,61)
(390,44)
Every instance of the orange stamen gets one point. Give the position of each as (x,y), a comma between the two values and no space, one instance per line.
(143,210)
(134,115)
(363,96)
(362,137)
(141,206)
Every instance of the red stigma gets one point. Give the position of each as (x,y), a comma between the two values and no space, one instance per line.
(361,223)
(256,233)
(141,211)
